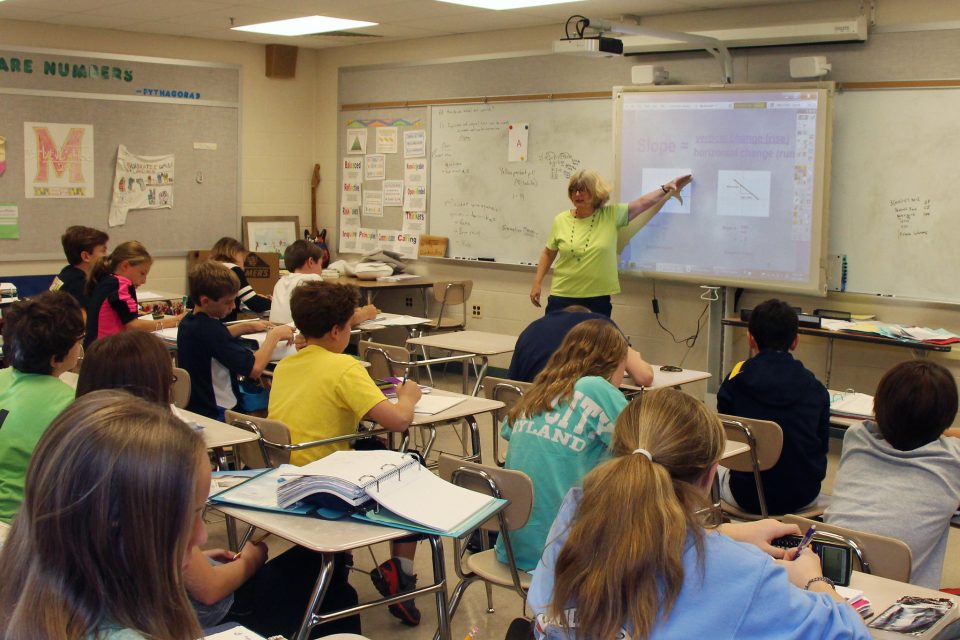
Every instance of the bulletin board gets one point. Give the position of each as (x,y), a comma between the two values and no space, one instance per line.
(383,151)
(153,107)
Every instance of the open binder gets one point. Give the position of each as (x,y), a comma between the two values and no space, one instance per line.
(384,487)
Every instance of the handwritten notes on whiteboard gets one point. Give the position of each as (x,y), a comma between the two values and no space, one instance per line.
(492,204)
(913,216)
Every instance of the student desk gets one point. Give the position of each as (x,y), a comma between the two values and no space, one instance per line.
(216,434)
(330,537)
(472,344)
(920,349)
(468,410)
(673,379)
(883,592)
(370,288)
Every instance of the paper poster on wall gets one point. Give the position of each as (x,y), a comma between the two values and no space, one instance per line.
(415,197)
(356,140)
(353,169)
(350,194)
(415,172)
(375,167)
(349,241)
(140,182)
(373,203)
(367,240)
(517,137)
(407,245)
(387,239)
(414,221)
(393,193)
(9,220)
(349,217)
(415,143)
(57,160)
(386,139)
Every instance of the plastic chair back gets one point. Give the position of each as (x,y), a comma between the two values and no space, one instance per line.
(514,486)
(259,453)
(509,393)
(449,294)
(180,390)
(876,554)
(764,437)
(386,360)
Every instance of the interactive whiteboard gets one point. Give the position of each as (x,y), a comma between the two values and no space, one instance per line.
(754,214)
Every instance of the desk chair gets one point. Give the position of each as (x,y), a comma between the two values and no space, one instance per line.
(765,439)
(386,360)
(509,393)
(517,488)
(180,390)
(449,294)
(273,446)
(878,555)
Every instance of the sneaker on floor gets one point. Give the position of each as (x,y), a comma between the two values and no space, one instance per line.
(389,579)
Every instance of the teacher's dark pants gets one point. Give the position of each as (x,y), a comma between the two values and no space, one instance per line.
(597,304)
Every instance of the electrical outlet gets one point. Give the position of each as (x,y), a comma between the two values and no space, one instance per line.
(408,302)
(476,312)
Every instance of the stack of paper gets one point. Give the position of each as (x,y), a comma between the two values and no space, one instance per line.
(852,404)
(857,601)
(933,336)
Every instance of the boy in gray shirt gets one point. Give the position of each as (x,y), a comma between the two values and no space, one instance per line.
(900,476)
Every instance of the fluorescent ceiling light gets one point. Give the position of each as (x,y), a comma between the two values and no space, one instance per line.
(305,26)
(499,5)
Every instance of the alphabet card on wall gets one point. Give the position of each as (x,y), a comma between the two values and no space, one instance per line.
(58,160)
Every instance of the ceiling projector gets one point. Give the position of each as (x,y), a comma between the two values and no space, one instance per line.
(597,46)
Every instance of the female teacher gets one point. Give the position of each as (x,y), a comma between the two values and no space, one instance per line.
(585,239)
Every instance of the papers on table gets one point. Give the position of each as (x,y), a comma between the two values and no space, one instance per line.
(281,351)
(435,403)
(400,277)
(392,320)
(852,404)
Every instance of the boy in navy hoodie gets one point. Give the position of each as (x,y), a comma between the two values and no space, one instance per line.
(772,385)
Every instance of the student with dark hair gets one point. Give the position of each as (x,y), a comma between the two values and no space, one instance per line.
(83,246)
(42,338)
(233,255)
(543,336)
(899,476)
(628,556)
(210,351)
(773,385)
(304,260)
(133,361)
(114,500)
(112,293)
(320,392)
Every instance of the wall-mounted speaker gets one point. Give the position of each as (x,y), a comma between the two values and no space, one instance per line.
(281,61)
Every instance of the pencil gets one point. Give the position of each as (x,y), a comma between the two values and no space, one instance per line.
(257,541)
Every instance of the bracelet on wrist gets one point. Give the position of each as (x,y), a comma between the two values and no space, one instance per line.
(819,579)
(664,189)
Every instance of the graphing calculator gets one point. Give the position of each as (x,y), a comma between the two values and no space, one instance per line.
(836,558)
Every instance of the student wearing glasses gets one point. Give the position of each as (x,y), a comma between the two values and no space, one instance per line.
(583,242)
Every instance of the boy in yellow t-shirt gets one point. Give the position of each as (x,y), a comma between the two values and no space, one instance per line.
(320,392)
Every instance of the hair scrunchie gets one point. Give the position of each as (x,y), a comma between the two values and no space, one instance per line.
(644,452)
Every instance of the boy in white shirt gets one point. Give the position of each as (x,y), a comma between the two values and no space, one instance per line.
(304,261)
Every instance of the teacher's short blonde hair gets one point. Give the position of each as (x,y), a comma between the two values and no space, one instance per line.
(592,182)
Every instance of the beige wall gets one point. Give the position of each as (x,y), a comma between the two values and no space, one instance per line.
(288,125)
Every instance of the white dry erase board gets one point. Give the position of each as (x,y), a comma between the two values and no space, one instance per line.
(492,207)
(894,209)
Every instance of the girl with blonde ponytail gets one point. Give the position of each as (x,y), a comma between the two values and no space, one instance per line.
(627,556)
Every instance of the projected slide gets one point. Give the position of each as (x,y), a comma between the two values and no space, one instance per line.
(753,214)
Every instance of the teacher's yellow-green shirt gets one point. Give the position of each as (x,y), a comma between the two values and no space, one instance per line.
(586,264)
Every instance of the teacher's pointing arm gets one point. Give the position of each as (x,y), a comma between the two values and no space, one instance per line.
(642,210)
(546,260)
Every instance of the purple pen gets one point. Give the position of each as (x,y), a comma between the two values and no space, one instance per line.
(805,540)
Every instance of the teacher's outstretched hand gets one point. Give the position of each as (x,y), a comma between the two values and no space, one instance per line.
(584,242)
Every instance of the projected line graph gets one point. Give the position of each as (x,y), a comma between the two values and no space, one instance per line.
(743,193)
